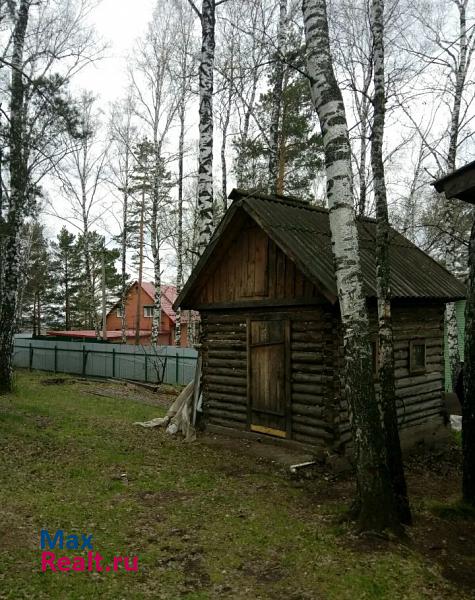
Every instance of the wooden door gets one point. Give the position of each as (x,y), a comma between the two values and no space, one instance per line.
(268,398)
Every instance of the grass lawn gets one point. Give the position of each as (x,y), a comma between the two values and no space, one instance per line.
(205,521)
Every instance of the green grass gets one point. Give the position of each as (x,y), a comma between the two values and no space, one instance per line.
(205,522)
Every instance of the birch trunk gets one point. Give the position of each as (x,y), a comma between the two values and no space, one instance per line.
(154,231)
(179,250)
(468,405)
(275,118)
(241,158)
(451,245)
(18,201)
(206,83)
(383,273)
(224,140)
(139,308)
(124,241)
(376,503)
(123,274)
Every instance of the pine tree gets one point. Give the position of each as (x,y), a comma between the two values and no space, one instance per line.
(65,266)
(299,152)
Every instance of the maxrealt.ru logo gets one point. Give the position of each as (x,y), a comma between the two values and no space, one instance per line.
(93,561)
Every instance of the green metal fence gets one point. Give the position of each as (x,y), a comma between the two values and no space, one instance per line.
(167,364)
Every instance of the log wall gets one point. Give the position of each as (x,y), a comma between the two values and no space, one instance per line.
(310,377)
(419,396)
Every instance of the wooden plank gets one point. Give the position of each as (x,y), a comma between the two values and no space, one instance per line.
(216,362)
(226,380)
(310,367)
(313,378)
(305,409)
(288,372)
(271,266)
(261,282)
(307,357)
(280,274)
(231,388)
(268,431)
(307,388)
(232,398)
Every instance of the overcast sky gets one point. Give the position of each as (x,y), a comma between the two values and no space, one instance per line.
(119,23)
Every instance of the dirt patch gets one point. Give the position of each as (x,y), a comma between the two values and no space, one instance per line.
(269,571)
(260,448)
(150,498)
(163,397)
(57,381)
(43,422)
(450,543)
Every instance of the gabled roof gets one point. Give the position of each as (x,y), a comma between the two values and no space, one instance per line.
(303,233)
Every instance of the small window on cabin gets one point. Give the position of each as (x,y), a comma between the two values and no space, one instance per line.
(119,313)
(417,356)
(148,311)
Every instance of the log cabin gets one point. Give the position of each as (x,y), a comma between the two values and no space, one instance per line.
(271,337)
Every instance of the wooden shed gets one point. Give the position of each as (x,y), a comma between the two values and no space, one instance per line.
(271,330)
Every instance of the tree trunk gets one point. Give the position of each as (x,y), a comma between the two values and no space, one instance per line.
(17,204)
(67,301)
(376,505)
(275,117)
(139,309)
(104,296)
(383,274)
(468,405)
(451,245)
(157,277)
(205,169)
(125,216)
(179,250)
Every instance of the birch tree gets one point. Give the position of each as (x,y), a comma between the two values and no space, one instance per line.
(157,104)
(183,68)
(383,272)
(17,201)
(278,77)
(446,60)
(123,136)
(468,410)
(82,173)
(207,17)
(466,45)
(376,506)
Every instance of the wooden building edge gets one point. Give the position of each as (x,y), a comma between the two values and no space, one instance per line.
(271,334)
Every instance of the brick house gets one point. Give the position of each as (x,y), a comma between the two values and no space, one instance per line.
(114,319)
(168,317)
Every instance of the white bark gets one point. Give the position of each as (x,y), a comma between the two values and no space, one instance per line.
(377,505)
(206,83)
(277,91)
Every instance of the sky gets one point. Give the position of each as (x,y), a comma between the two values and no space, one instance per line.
(118,23)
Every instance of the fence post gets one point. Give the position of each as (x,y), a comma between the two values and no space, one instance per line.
(146,366)
(55,358)
(176,367)
(31,357)
(113,362)
(84,359)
